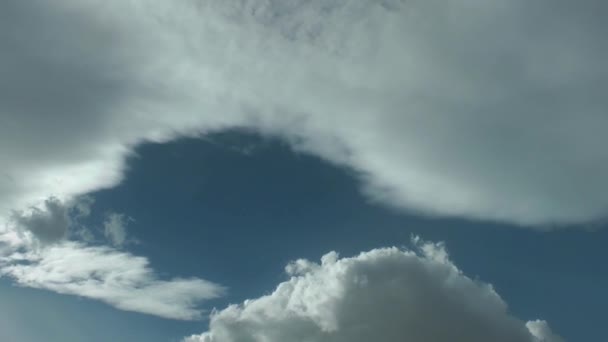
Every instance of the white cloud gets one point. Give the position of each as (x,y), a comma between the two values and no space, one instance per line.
(481,109)
(118,278)
(382,295)
(484,109)
(115,228)
(36,251)
(540,330)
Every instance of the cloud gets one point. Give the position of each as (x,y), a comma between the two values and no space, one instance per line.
(45,249)
(489,110)
(479,109)
(385,294)
(115,229)
(118,278)
(540,330)
(49,224)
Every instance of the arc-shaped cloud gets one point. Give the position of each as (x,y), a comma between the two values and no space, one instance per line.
(480,109)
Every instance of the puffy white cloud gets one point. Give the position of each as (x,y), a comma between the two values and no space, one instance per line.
(118,278)
(382,295)
(482,109)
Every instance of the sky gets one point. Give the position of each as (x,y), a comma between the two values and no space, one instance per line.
(320,171)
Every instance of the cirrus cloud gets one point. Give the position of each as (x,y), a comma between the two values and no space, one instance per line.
(40,249)
(118,278)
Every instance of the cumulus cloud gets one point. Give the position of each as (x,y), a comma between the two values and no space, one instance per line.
(382,295)
(481,109)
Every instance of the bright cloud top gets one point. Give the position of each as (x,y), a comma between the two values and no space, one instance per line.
(480,109)
(381,295)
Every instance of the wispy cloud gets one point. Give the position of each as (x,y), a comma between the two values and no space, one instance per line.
(38,254)
(115,228)
(118,278)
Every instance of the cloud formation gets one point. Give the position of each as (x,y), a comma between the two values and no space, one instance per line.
(48,225)
(479,109)
(115,229)
(38,253)
(120,279)
(382,295)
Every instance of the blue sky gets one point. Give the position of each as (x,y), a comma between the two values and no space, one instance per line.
(311,207)
(206,208)
(320,171)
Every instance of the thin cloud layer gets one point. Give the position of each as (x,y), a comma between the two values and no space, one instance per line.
(479,109)
(120,279)
(38,254)
(381,295)
(115,229)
